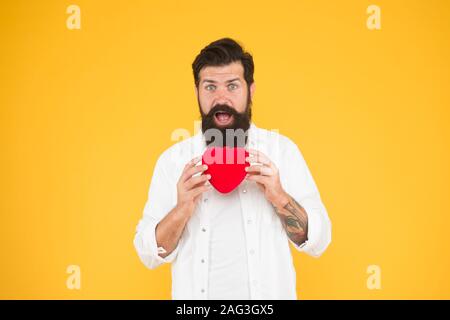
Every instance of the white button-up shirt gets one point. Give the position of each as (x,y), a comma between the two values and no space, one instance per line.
(270,269)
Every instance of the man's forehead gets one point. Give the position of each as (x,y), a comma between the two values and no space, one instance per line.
(232,70)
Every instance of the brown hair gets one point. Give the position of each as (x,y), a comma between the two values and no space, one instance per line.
(220,53)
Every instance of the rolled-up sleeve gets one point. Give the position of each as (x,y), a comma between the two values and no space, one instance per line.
(299,184)
(161,199)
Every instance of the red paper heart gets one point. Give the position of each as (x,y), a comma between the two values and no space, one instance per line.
(226,166)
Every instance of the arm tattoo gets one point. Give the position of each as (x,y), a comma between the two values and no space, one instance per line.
(295,221)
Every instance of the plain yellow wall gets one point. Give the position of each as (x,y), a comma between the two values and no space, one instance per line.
(85,114)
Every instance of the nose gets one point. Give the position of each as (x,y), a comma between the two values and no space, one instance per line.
(222,98)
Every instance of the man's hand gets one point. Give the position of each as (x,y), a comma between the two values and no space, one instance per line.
(292,215)
(189,188)
(266,175)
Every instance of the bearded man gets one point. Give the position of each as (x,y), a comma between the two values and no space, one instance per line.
(233,245)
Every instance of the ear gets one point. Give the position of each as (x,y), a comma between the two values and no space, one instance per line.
(252,89)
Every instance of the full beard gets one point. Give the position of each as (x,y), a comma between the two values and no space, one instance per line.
(234,134)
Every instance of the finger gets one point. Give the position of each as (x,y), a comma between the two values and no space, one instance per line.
(258,156)
(193,162)
(267,171)
(191,171)
(255,168)
(258,178)
(199,190)
(263,159)
(205,184)
(194,181)
(262,170)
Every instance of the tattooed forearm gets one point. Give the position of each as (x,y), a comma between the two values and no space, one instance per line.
(295,221)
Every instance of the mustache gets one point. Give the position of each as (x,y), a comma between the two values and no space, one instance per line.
(223,108)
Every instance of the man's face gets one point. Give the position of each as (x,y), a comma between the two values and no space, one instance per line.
(224,97)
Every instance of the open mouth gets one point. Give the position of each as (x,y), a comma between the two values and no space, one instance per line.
(223,118)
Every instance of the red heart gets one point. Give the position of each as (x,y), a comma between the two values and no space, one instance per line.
(226,166)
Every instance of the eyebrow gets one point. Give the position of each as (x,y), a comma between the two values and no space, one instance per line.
(214,81)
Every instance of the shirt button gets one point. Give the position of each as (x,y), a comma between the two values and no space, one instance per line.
(203,290)
(205,200)
(203,229)
(249,221)
(203,260)
(244,191)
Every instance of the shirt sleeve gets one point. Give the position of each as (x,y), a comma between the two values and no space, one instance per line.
(299,184)
(159,202)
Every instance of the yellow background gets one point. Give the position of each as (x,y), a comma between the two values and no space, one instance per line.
(85,114)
